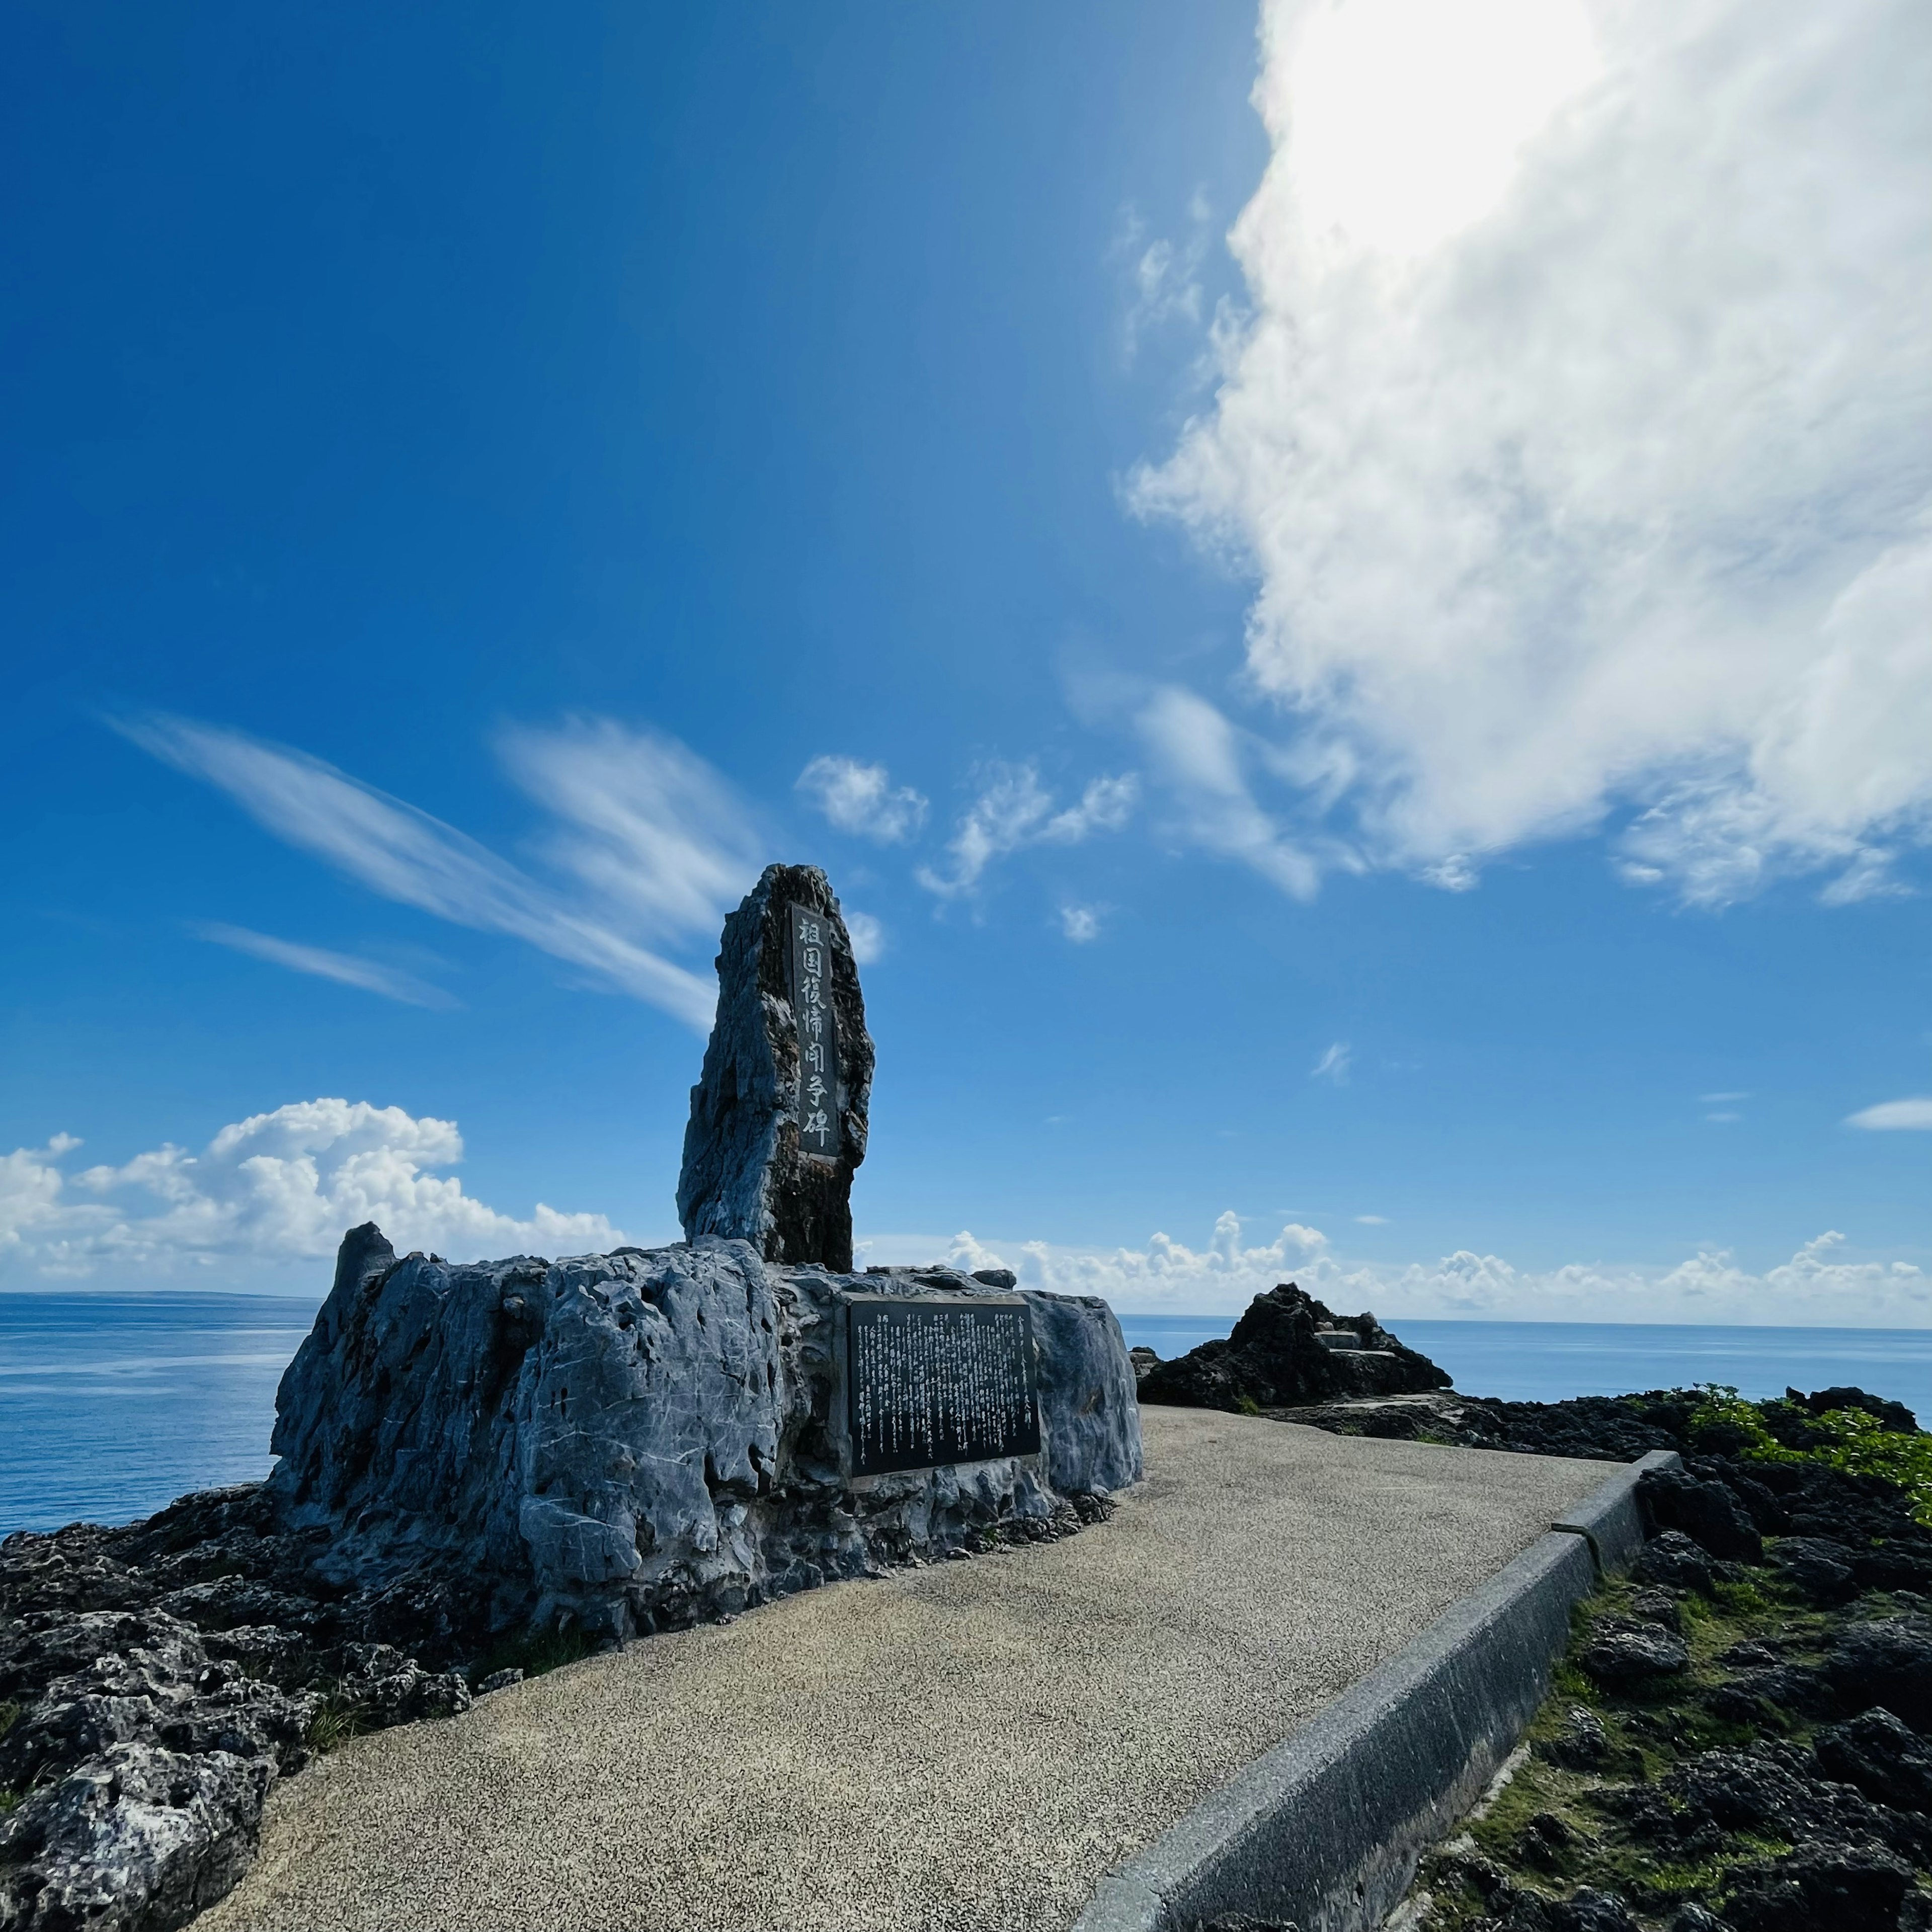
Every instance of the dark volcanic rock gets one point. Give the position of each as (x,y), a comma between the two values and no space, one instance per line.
(1636,1654)
(1705,1511)
(1583,1744)
(1289,1350)
(1819,1571)
(1845,1888)
(1673,1560)
(1881,1756)
(1888,1662)
(1893,1415)
(745,1177)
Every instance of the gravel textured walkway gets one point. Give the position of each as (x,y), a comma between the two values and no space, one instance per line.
(968,1746)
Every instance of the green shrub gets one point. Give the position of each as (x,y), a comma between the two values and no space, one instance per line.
(1723,1423)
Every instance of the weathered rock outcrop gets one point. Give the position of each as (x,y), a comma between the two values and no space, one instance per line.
(748,1172)
(478,1464)
(626,1440)
(1289,1350)
(156,1679)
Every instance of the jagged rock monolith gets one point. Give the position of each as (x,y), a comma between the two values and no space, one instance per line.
(1289,1349)
(777,1117)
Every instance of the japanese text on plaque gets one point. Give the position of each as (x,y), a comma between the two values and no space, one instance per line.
(930,1382)
(818,1036)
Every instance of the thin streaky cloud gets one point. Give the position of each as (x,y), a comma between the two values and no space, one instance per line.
(1333,1064)
(1723,1099)
(1371,1220)
(320,964)
(405,855)
(1892,1115)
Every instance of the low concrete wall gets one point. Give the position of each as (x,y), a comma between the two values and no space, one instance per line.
(1325,1830)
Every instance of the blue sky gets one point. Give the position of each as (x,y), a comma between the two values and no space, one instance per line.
(1361,644)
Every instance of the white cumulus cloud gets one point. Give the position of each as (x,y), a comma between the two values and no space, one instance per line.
(276,1189)
(1580,433)
(1817,1286)
(1014,810)
(862,799)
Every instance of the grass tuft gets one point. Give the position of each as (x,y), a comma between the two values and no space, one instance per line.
(336,1720)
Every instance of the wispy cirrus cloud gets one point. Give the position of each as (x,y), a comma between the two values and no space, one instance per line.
(1202,761)
(863,799)
(1334,1063)
(1013,810)
(658,844)
(1893,1116)
(344,968)
(1162,278)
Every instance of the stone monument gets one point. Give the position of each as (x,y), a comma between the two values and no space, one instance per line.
(777,1117)
(621,1442)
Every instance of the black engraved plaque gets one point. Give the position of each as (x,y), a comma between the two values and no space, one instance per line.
(930,1381)
(810,954)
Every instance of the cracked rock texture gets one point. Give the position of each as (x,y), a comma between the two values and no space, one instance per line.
(475,1461)
(744,1177)
(622,1442)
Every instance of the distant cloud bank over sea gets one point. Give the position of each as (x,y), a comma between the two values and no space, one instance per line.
(262,1208)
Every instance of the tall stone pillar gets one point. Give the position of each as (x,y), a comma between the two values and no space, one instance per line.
(778,1118)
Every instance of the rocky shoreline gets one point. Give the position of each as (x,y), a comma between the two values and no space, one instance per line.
(1738,1740)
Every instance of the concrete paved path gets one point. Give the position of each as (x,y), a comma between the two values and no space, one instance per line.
(966,1746)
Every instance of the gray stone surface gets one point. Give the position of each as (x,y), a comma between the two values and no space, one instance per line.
(964,1746)
(1325,1829)
(744,1177)
(143,1764)
(626,1442)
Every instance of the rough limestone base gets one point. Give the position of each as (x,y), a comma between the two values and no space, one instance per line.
(625,1442)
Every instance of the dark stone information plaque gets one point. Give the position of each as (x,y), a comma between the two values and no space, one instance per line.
(817,1034)
(930,1381)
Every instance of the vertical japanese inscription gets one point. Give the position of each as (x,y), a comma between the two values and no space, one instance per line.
(817,1034)
(931,1381)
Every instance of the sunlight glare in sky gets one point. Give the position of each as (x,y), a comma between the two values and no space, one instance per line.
(1406,116)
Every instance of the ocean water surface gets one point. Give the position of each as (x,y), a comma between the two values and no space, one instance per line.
(113,1404)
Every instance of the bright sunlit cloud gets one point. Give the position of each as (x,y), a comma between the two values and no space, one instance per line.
(1403,119)
(1579,433)
(277,1190)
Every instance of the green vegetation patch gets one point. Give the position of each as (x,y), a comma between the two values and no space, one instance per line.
(1722,1423)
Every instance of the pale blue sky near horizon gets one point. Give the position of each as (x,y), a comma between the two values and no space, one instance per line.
(480,482)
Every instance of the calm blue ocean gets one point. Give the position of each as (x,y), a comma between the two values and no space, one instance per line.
(111,1405)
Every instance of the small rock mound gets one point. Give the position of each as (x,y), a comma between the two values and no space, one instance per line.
(1289,1349)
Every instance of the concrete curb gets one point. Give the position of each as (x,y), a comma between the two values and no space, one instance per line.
(1324,1830)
